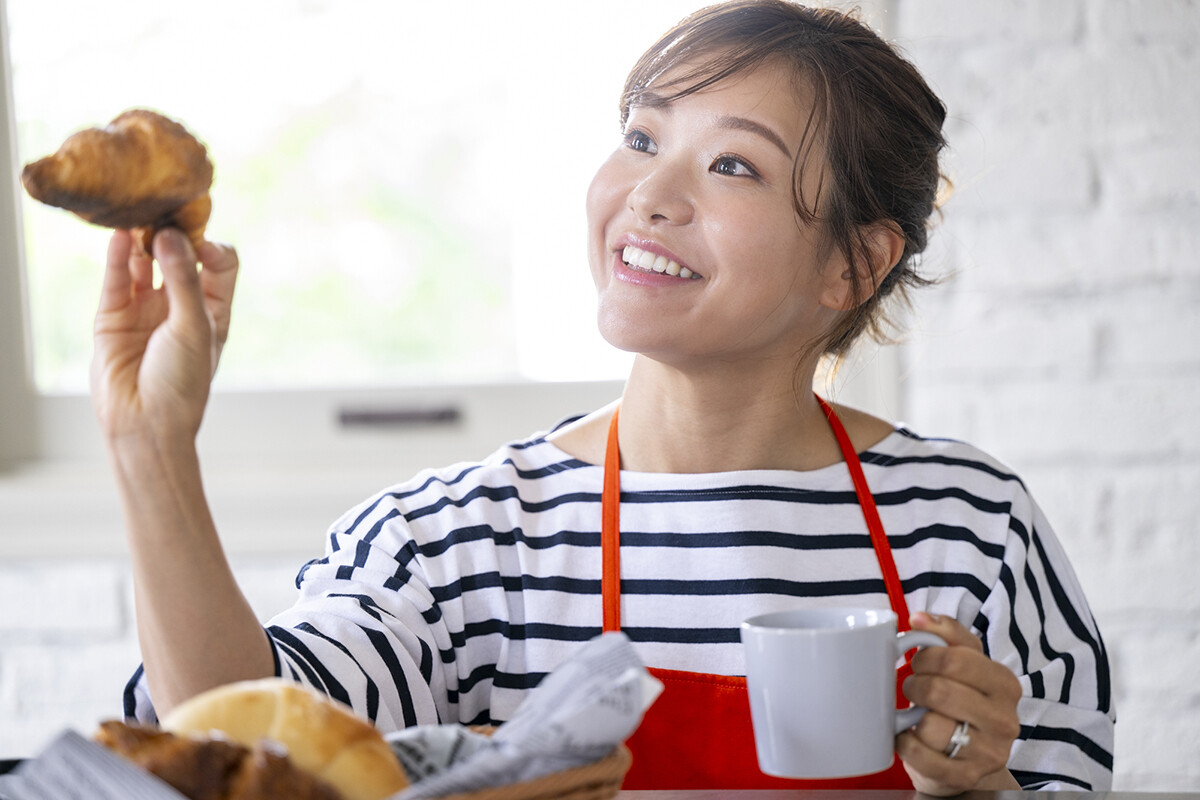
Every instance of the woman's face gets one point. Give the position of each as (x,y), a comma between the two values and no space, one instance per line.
(694,243)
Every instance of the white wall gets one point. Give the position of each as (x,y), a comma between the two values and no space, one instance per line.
(1068,342)
(1065,344)
(67,643)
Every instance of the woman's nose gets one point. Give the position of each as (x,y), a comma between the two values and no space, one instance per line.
(663,196)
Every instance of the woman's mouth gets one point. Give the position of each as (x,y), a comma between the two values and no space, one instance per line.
(645,261)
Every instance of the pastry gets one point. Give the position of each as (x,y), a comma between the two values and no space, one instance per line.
(142,171)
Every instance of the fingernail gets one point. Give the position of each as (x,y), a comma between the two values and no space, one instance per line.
(924,617)
(171,237)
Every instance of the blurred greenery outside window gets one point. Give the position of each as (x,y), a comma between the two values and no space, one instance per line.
(404,181)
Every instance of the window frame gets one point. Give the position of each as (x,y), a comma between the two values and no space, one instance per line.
(18,441)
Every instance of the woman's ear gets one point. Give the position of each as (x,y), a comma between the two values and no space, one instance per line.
(883,245)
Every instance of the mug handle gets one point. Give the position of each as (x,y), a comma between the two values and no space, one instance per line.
(905,641)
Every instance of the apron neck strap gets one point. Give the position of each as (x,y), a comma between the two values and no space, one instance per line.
(610,532)
(866,501)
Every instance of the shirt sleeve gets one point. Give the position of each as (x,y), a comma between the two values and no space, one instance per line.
(1037,622)
(365,629)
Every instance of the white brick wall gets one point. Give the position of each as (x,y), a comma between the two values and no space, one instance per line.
(1066,344)
(1068,341)
(65,658)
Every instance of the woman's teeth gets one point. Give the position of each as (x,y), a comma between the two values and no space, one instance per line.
(646,261)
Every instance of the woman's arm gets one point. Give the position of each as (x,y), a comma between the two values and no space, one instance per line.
(156,350)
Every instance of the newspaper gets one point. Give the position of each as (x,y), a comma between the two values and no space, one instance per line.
(73,768)
(575,716)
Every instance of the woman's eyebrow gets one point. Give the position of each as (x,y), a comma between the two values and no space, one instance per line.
(743,124)
(653,100)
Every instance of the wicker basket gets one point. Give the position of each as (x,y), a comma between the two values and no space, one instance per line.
(597,781)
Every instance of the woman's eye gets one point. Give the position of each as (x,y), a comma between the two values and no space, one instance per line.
(733,166)
(639,141)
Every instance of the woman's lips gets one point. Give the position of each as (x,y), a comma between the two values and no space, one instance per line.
(640,260)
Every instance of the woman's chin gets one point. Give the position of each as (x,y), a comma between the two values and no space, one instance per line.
(627,333)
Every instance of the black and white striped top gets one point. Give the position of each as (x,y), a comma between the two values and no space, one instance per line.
(446,597)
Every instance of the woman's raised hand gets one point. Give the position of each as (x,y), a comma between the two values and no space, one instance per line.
(959,684)
(156,349)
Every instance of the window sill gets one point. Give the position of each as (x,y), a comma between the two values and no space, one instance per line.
(278,469)
(50,510)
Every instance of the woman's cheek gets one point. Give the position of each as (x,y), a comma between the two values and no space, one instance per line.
(604,202)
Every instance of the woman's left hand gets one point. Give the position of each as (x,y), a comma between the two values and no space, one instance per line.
(958,684)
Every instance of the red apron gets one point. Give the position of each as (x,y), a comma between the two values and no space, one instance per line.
(698,734)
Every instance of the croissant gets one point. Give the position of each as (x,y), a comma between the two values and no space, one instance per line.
(142,171)
(213,768)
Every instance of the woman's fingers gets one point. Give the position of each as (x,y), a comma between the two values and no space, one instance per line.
(141,270)
(181,281)
(989,742)
(156,348)
(960,680)
(958,684)
(218,278)
(935,774)
(950,629)
(943,675)
(115,288)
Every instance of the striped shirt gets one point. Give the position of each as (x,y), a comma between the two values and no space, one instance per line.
(446,598)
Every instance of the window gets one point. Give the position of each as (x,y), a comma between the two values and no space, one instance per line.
(377,228)
(404,182)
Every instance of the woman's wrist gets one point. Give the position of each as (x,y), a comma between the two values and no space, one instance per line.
(999,780)
(146,448)
(161,489)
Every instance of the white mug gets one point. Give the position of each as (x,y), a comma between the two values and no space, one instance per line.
(822,686)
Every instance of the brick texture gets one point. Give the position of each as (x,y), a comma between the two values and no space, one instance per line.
(65,659)
(1065,339)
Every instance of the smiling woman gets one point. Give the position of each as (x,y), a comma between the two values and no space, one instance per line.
(1071,242)
(728,489)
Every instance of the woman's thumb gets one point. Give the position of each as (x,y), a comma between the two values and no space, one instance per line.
(177,260)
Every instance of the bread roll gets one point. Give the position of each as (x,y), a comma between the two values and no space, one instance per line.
(321,736)
(143,171)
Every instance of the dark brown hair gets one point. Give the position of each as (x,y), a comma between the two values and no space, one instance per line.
(876,120)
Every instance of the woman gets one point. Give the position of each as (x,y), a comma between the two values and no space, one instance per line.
(774,183)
